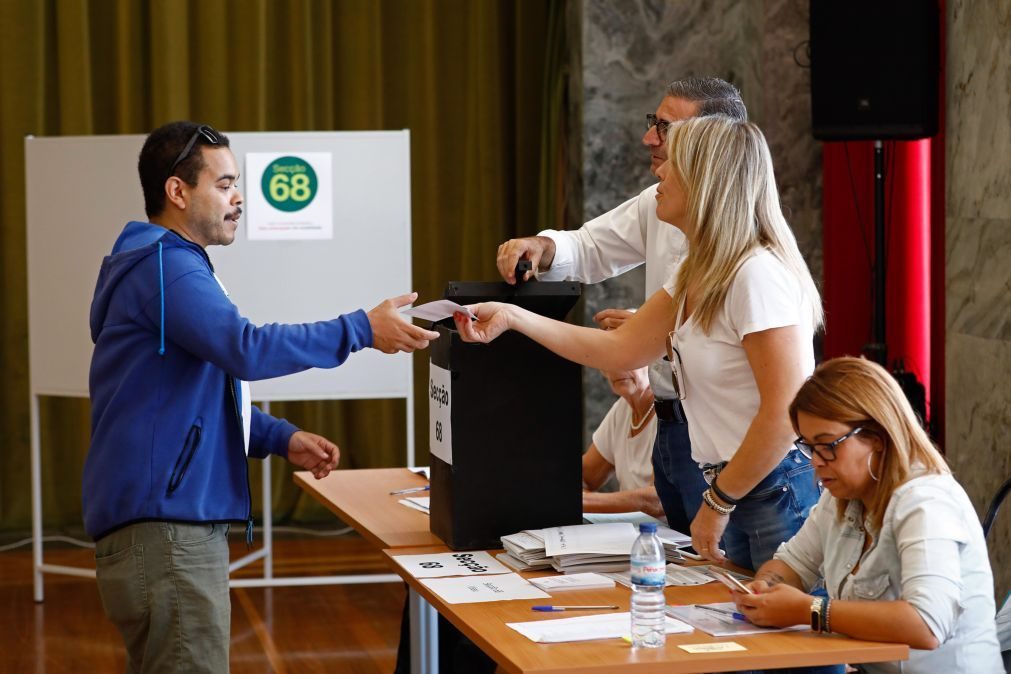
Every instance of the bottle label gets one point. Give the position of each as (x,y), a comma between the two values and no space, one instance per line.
(648,573)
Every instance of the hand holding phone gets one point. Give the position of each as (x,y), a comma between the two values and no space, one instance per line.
(688,552)
(727,579)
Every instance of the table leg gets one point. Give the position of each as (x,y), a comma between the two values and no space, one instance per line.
(424,635)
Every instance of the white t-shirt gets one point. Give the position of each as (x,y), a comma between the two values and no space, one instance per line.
(613,243)
(632,458)
(721,396)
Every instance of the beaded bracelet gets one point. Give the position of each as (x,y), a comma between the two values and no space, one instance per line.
(707,496)
(826,616)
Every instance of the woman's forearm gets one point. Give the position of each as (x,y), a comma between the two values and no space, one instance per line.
(643,499)
(763,448)
(894,621)
(775,572)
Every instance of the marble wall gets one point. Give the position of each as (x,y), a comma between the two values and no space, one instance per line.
(978,241)
(630,50)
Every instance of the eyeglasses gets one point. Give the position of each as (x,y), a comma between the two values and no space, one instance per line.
(824,450)
(209,134)
(662,125)
(677,370)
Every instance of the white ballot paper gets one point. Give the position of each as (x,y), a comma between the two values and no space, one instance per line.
(718,620)
(603,539)
(437,310)
(587,628)
(450,564)
(489,588)
(420,503)
(575,581)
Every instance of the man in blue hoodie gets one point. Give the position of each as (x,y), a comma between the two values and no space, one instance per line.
(172,423)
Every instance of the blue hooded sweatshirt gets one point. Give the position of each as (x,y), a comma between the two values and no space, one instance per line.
(166,428)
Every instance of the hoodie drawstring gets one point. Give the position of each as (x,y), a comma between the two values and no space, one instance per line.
(161,291)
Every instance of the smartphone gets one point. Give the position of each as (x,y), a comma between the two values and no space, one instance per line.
(688,552)
(728,580)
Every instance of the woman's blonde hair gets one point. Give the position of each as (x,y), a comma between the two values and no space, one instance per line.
(858,392)
(732,205)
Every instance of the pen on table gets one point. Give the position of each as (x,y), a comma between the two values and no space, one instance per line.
(573,608)
(729,614)
(412,490)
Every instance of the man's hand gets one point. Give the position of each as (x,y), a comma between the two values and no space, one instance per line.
(492,321)
(391,332)
(540,250)
(780,605)
(611,319)
(313,452)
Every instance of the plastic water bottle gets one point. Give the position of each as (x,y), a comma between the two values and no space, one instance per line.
(648,579)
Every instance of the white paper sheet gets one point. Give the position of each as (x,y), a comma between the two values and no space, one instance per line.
(606,539)
(413,504)
(437,310)
(487,588)
(442,564)
(587,628)
(723,626)
(575,581)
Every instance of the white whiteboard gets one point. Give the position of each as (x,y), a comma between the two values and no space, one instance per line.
(82,190)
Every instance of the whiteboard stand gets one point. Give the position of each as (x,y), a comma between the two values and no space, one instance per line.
(371,189)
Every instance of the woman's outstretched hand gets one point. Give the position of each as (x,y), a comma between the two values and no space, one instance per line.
(492,321)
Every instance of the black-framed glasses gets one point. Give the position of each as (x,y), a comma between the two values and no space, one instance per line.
(209,134)
(677,370)
(662,125)
(824,450)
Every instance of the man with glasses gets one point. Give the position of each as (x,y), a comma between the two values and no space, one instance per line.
(172,423)
(620,240)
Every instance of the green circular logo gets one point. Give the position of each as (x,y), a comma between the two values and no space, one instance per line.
(289,184)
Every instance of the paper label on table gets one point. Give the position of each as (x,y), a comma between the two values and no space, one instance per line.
(451,564)
(489,588)
(587,628)
(437,310)
(719,647)
(440,400)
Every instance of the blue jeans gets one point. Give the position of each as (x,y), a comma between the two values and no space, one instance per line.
(677,478)
(772,512)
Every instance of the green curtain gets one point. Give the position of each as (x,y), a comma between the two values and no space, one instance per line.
(480,84)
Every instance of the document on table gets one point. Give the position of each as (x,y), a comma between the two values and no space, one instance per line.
(488,588)
(437,310)
(605,539)
(417,503)
(635,518)
(711,622)
(588,628)
(442,564)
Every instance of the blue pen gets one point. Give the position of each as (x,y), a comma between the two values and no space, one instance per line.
(552,609)
(729,614)
(412,490)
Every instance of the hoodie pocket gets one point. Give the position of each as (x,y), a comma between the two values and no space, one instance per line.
(190,445)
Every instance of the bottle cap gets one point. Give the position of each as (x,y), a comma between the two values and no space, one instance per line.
(647,527)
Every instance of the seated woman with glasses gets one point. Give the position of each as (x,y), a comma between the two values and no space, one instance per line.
(622,446)
(736,320)
(894,537)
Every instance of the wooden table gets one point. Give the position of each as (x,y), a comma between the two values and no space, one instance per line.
(485,625)
(362,499)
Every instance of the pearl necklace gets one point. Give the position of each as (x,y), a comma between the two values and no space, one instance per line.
(642,422)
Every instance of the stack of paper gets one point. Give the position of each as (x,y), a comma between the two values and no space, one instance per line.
(673,540)
(586,628)
(525,551)
(590,547)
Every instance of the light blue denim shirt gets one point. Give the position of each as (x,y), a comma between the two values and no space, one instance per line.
(930,552)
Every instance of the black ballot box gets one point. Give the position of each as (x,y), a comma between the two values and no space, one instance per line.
(509,416)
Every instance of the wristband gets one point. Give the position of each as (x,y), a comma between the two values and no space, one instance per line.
(827,615)
(723,497)
(707,496)
(816,604)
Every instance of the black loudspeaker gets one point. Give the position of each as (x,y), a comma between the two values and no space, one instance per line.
(874,69)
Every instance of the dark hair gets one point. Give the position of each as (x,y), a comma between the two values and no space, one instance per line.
(714,96)
(160,150)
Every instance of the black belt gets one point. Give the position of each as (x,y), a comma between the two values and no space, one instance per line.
(670,410)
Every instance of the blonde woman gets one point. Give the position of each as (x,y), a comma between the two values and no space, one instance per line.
(736,321)
(894,537)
